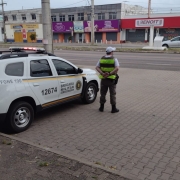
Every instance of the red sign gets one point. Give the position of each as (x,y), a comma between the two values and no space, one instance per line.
(24,33)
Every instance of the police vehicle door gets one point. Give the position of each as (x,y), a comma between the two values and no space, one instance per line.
(42,82)
(70,82)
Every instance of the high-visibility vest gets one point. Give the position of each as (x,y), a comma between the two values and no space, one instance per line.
(107,64)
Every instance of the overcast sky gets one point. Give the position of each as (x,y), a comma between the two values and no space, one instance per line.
(28,4)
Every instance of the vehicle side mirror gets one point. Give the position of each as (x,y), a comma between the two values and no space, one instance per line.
(79,70)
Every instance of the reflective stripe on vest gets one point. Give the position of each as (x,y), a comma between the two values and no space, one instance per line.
(107,64)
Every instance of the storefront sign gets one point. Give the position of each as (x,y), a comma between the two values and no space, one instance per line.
(31,26)
(62,27)
(25,26)
(16,26)
(149,22)
(78,26)
(102,26)
(24,33)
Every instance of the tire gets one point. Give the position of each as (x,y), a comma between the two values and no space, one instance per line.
(90,93)
(20,116)
(165,45)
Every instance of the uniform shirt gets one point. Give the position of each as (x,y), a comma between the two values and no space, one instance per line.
(115,59)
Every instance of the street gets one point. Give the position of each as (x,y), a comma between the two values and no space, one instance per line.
(153,61)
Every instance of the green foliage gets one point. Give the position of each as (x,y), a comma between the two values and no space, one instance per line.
(33,37)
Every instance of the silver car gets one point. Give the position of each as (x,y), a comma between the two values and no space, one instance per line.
(173,43)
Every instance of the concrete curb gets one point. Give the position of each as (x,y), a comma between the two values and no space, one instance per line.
(90,48)
(69,156)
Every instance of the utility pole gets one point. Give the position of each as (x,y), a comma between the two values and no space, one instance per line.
(92,22)
(149,8)
(151,38)
(4,25)
(47,26)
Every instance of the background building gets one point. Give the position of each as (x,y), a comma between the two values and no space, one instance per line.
(75,22)
(136,28)
(21,24)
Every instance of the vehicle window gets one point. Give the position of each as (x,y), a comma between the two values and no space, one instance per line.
(40,68)
(175,39)
(63,68)
(15,69)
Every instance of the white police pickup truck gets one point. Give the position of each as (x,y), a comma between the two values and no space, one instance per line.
(31,82)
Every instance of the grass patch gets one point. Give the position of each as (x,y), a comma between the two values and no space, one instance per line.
(43,164)
(7,143)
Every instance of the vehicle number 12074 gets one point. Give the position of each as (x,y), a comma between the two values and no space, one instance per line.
(49,91)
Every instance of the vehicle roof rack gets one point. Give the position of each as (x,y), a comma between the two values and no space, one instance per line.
(21,52)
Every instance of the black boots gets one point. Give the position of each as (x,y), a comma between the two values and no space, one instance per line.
(114,109)
(101,108)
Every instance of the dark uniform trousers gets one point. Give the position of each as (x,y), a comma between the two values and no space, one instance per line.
(105,84)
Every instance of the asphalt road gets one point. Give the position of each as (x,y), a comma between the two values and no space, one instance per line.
(154,61)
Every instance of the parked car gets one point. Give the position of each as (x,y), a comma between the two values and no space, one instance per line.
(32,82)
(173,43)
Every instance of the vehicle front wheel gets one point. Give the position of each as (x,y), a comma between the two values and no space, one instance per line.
(20,116)
(165,45)
(90,93)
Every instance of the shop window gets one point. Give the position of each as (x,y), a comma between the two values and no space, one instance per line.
(53,18)
(14,17)
(80,16)
(112,15)
(89,17)
(5,18)
(62,18)
(71,17)
(23,17)
(33,16)
(101,16)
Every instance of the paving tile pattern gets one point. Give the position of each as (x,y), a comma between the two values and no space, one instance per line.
(141,140)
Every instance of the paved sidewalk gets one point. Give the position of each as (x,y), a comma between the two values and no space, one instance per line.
(142,140)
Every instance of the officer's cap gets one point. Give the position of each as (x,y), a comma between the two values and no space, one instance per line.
(110,49)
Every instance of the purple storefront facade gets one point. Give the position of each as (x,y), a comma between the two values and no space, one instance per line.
(62,31)
(105,31)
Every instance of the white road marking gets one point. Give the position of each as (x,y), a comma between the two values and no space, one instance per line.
(159,64)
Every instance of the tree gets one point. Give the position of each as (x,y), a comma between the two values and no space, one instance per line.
(33,37)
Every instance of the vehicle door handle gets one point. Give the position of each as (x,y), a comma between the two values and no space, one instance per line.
(35,84)
(62,81)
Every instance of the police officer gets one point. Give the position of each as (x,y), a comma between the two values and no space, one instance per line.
(108,67)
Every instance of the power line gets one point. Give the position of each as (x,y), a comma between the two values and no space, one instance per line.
(73,3)
(88,2)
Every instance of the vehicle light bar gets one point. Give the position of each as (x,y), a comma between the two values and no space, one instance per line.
(26,49)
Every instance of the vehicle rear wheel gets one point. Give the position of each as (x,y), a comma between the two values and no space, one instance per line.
(90,93)
(165,45)
(20,116)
